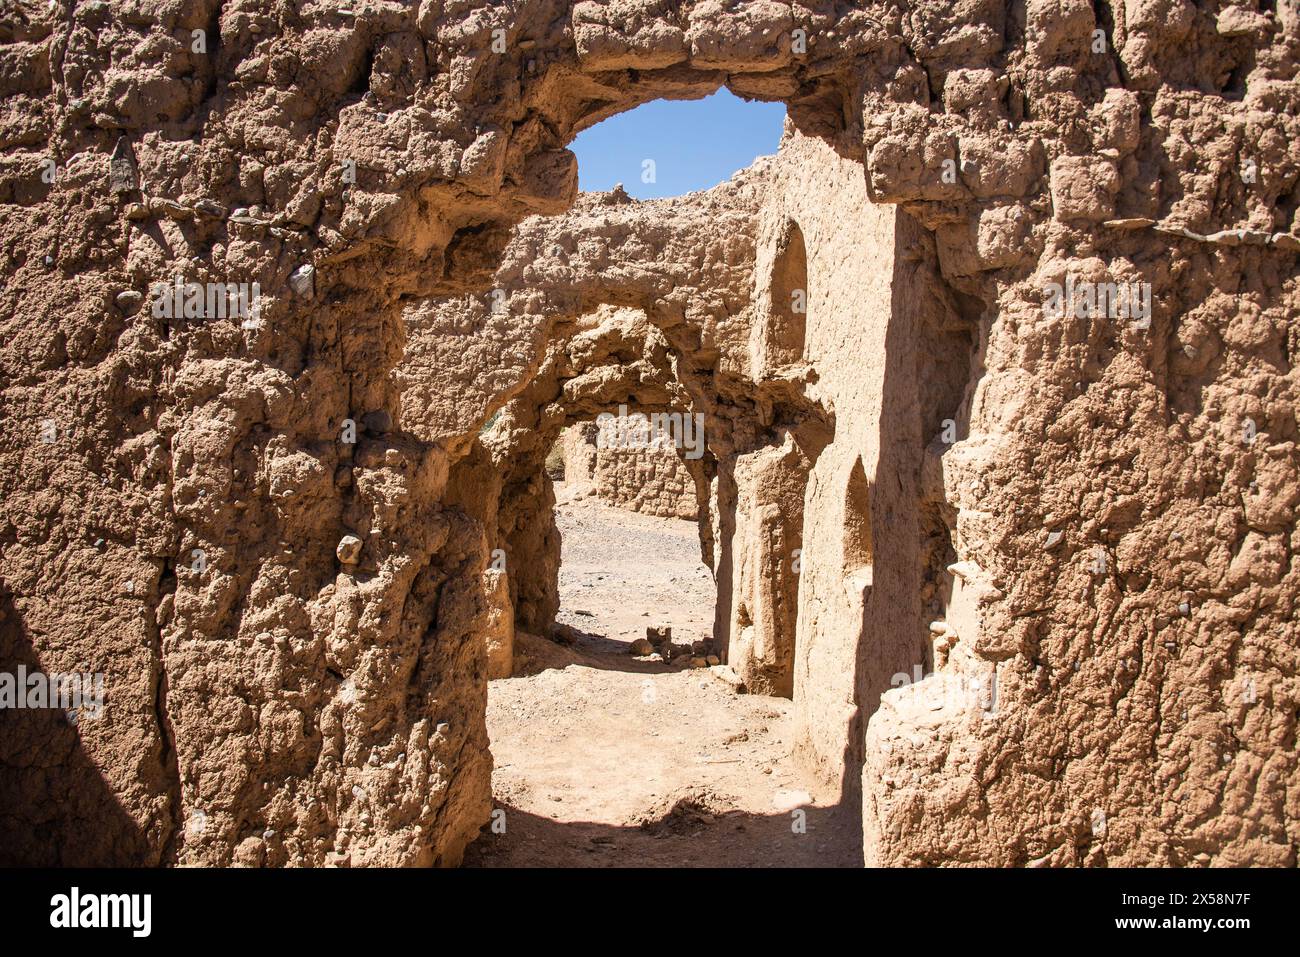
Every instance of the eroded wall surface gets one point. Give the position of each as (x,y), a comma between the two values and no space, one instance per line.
(643,476)
(291,624)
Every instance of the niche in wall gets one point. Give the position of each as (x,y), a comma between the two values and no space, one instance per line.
(856,544)
(788,309)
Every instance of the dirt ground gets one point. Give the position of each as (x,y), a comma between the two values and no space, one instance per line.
(607,760)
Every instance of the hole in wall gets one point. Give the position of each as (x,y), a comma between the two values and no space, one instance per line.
(783,346)
(673,147)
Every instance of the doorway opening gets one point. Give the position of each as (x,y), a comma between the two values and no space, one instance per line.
(631,581)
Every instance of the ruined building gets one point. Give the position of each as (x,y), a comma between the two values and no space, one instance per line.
(638,468)
(995,359)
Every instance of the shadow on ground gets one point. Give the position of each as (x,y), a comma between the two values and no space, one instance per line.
(687,835)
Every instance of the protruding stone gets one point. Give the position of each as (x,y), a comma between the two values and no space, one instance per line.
(122,168)
(1132,222)
(303,281)
(210,208)
(169,208)
(349,550)
(641,646)
(128,300)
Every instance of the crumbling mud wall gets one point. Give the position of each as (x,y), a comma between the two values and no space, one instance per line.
(269,530)
(644,476)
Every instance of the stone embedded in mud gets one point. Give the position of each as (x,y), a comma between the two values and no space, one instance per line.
(122,168)
(641,647)
(303,281)
(349,550)
(210,208)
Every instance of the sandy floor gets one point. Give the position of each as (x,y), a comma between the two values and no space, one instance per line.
(603,759)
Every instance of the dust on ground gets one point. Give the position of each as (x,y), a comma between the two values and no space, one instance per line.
(603,759)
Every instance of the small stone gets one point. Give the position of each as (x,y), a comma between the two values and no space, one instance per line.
(210,208)
(1225,237)
(136,211)
(303,280)
(712,660)
(1184,608)
(128,300)
(349,550)
(641,647)
(122,168)
(698,662)
(170,208)
(1133,222)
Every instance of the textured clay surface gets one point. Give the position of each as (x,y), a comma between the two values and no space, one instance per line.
(1026,568)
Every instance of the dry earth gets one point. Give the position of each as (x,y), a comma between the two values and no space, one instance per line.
(603,759)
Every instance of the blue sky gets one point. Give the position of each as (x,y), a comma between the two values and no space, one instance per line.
(695,144)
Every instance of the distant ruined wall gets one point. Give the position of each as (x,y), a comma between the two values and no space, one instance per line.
(271,533)
(648,479)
